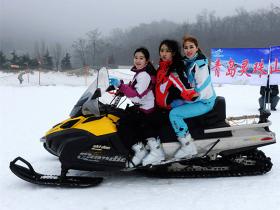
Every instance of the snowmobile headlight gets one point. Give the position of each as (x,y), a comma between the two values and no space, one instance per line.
(43,139)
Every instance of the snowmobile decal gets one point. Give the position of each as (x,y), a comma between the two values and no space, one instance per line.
(96,158)
(97,147)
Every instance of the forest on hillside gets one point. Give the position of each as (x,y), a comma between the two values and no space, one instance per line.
(244,29)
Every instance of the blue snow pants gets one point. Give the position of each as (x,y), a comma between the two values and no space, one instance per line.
(188,110)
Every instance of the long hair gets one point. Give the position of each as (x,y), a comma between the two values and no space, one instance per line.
(174,47)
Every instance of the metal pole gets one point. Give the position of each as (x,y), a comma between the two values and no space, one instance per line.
(266,101)
(39,76)
(268,104)
(27,71)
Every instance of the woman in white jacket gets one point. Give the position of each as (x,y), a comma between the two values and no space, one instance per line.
(136,125)
(197,73)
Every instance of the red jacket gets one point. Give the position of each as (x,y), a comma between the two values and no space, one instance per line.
(165,81)
(162,84)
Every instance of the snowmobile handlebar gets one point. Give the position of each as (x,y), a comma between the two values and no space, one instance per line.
(111,90)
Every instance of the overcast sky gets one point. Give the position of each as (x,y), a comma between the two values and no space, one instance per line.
(71,19)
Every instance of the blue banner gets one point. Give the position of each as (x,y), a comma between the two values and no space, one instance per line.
(274,65)
(249,66)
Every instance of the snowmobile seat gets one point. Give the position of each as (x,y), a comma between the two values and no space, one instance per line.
(213,119)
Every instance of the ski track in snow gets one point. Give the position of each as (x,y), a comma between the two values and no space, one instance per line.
(28,111)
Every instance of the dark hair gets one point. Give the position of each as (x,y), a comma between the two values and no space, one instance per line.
(144,51)
(174,47)
(150,69)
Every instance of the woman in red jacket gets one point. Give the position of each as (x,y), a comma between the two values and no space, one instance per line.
(170,85)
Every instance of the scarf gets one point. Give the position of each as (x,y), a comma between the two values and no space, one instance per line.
(162,71)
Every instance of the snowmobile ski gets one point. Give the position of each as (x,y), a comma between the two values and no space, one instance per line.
(29,175)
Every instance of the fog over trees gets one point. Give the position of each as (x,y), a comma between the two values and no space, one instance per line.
(244,29)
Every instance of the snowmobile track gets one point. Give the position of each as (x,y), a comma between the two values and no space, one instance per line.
(243,164)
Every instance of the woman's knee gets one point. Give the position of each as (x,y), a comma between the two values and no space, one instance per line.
(172,113)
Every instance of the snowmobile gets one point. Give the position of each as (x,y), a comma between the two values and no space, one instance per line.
(89,141)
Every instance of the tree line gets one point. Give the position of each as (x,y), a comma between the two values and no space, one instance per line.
(22,62)
(244,29)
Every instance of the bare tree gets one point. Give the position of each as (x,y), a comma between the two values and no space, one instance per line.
(93,44)
(57,54)
(40,50)
(80,50)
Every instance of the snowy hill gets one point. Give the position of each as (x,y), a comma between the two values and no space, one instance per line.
(27,111)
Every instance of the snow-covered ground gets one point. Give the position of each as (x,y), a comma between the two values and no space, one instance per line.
(27,111)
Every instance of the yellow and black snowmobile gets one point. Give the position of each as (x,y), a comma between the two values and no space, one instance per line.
(89,141)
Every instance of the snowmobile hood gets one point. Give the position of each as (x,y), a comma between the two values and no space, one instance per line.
(92,124)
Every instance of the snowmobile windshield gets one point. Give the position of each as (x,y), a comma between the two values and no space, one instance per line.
(88,104)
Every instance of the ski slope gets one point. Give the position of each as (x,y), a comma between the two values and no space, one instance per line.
(27,111)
